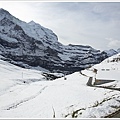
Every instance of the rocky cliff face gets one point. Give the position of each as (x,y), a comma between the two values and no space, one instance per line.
(32,45)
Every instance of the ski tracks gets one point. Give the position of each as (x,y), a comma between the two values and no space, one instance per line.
(16,104)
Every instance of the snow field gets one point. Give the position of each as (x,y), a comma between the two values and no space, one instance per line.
(37,98)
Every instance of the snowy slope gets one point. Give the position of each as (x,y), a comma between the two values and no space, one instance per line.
(59,98)
(109,69)
(11,75)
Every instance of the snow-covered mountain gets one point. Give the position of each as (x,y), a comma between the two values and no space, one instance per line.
(31,96)
(118,50)
(31,45)
(112,52)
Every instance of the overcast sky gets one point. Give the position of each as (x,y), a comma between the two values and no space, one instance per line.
(86,23)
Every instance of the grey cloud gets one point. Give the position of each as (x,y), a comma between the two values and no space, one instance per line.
(78,22)
(82,23)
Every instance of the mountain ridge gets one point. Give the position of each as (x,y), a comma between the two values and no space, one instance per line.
(34,45)
(112,52)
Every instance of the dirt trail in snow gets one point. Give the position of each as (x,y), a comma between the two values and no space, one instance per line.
(118,89)
(83,74)
(116,115)
(89,83)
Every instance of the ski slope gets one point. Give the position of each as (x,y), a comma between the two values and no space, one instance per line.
(28,95)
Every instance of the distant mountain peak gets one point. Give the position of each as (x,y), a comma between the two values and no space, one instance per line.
(3,11)
(5,14)
(112,52)
(32,23)
(118,50)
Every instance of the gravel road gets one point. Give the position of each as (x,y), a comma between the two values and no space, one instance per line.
(117,115)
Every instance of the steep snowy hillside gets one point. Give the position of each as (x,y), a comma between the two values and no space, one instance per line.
(61,98)
(11,75)
(32,45)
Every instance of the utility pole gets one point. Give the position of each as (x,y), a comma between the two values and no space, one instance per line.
(22,56)
(22,74)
